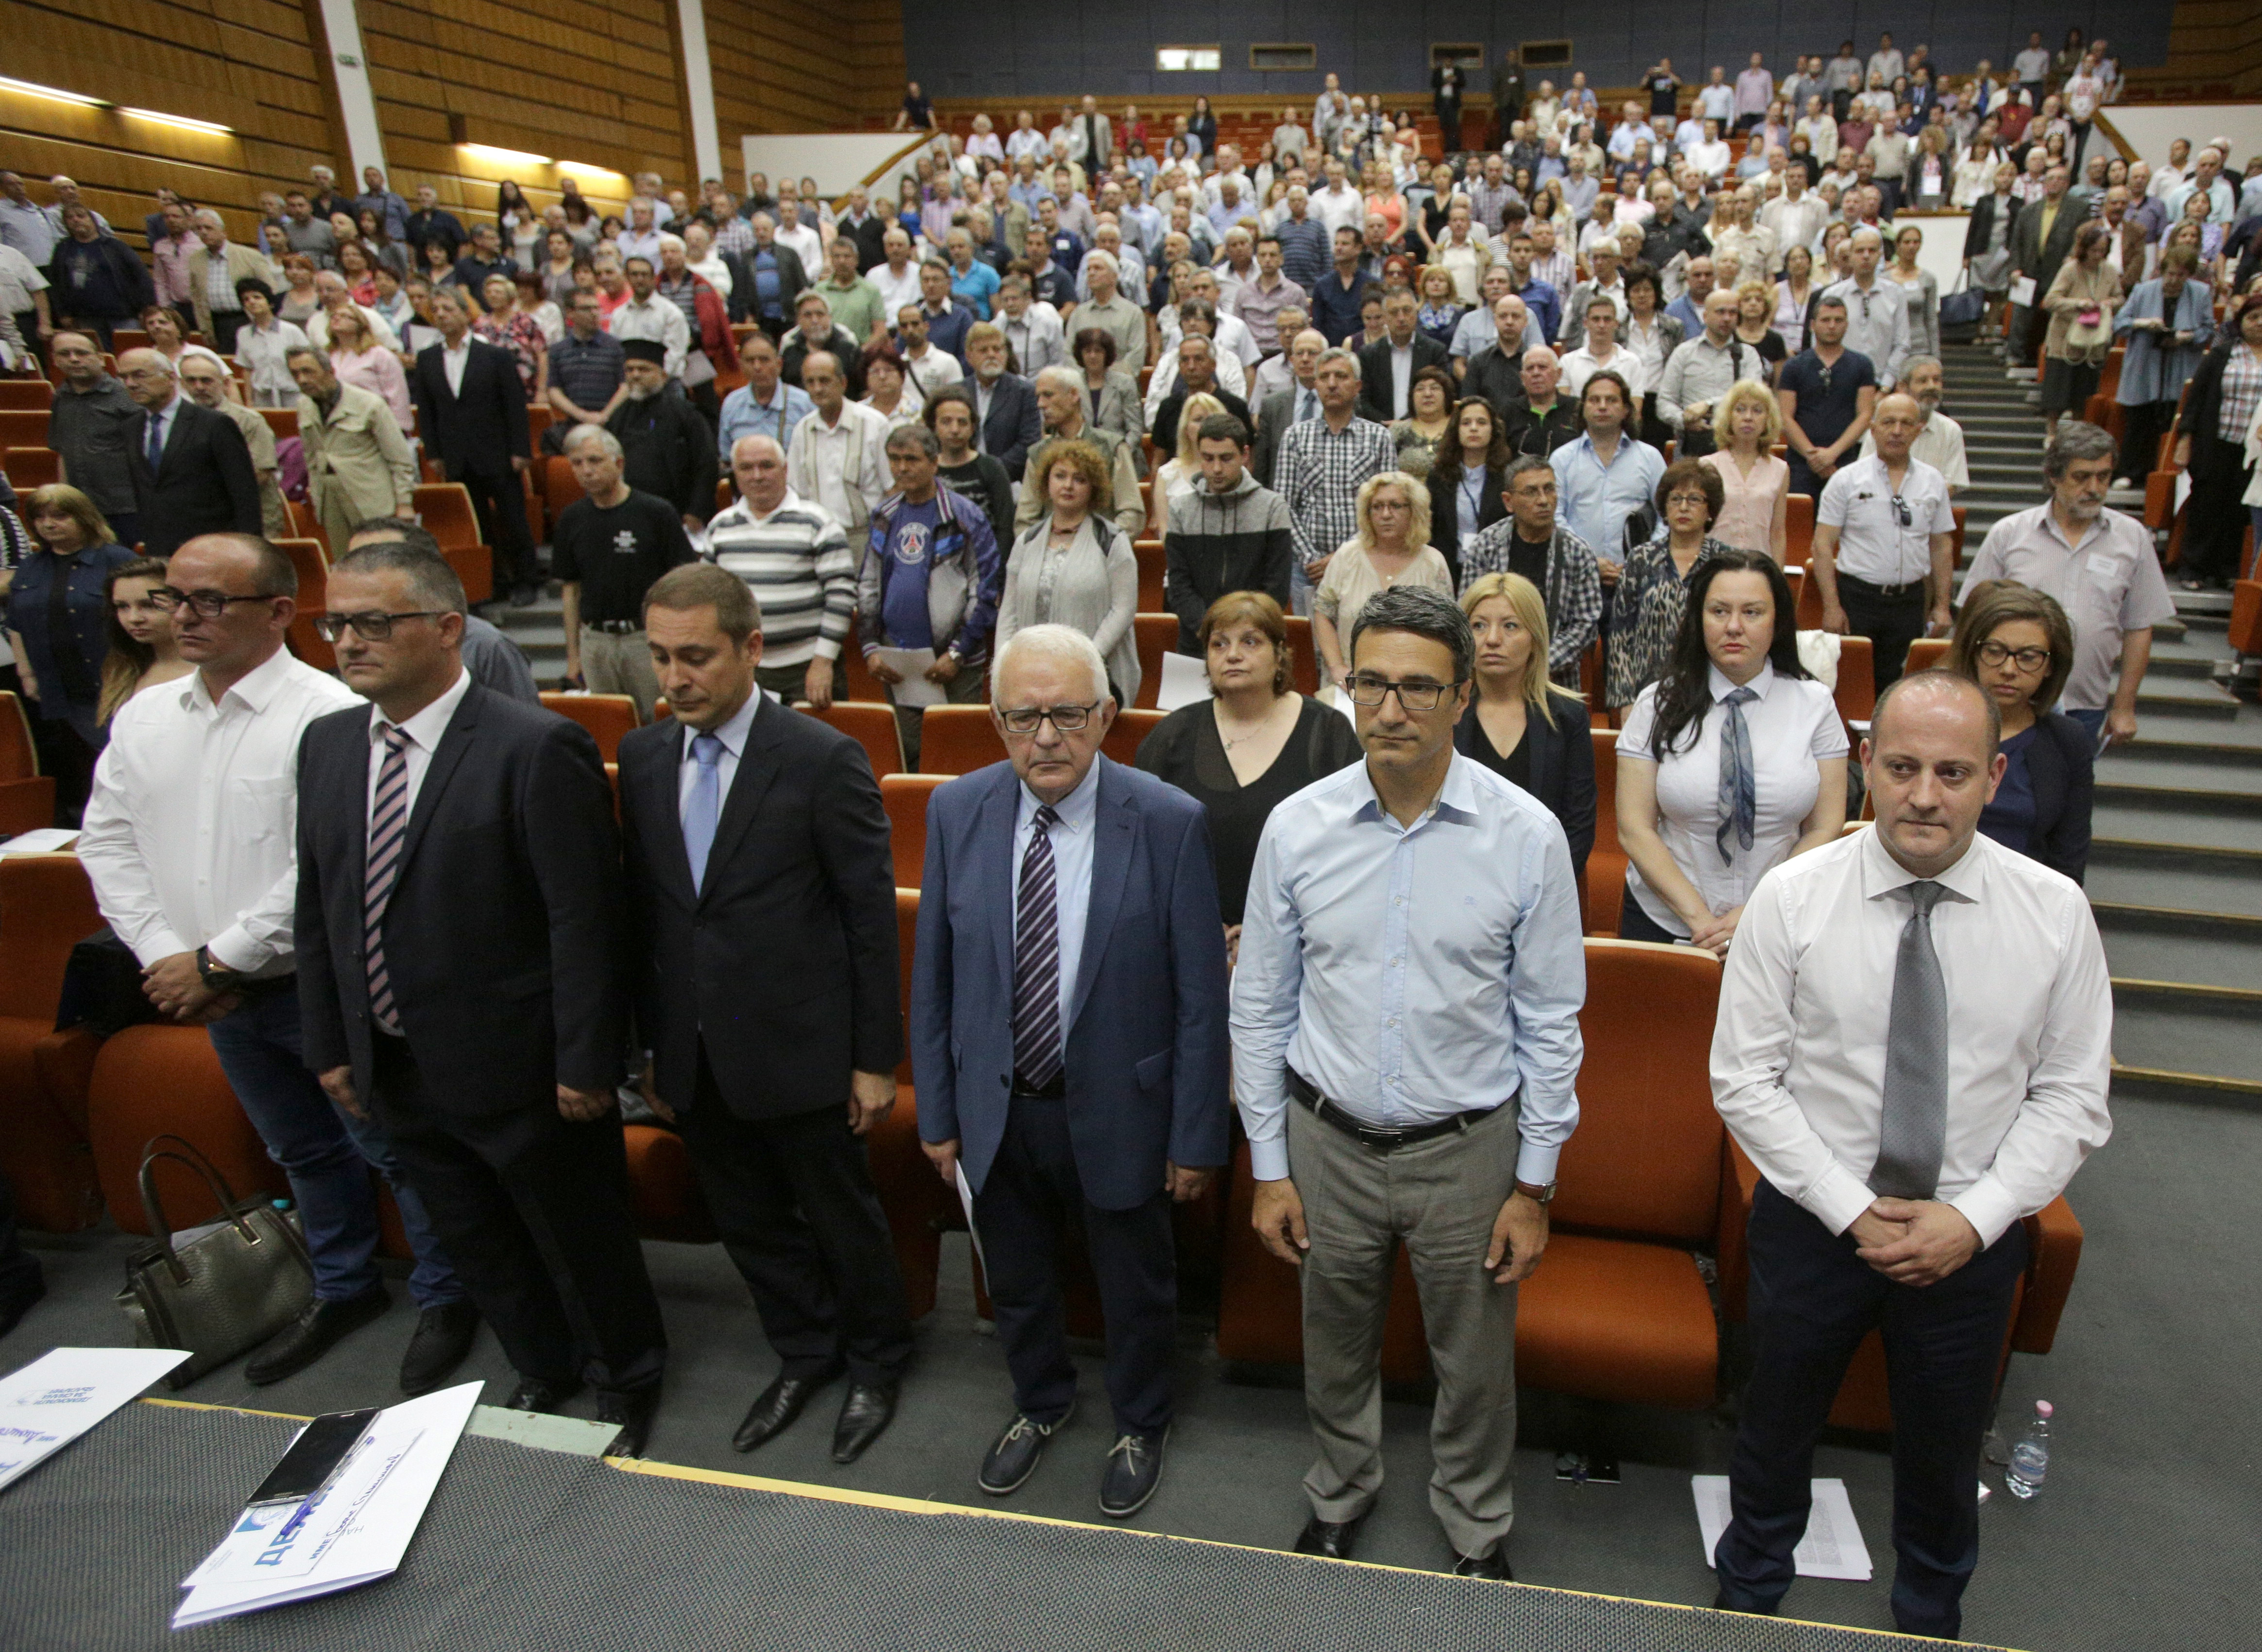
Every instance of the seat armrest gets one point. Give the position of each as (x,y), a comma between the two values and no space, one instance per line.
(2054,1240)
(1740,1179)
(65,1061)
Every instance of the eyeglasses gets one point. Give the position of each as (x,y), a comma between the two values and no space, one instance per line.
(370,627)
(1995,654)
(1415,697)
(1069,720)
(205,605)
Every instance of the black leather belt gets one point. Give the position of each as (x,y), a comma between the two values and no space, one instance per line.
(614,627)
(1055,1091)
(267,985)
(1375,1136)
(1907,588)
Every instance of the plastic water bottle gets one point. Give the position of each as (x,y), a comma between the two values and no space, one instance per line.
(2030,1457)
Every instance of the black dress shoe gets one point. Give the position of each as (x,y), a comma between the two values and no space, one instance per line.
(773,1410)
(864,1417)
(1134,1470)
(540,1393)
(632,1413)
(1331,1540)
(1015,1454)
(525,596)
(1492,1565)
(315,1333)
(1720,1603)
(443,1337)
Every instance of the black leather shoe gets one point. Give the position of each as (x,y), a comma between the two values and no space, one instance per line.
(525,596)
(773,1410)
(1720,1603)
(539,1394)
(1331,1540)
(632,1413)
(316,1331)
(864,1417)
(1015,1455)
(1491,1565)
(1135,1469)
(443,1337)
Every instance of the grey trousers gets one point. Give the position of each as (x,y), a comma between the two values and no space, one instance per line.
(1440,1198)
(620,664)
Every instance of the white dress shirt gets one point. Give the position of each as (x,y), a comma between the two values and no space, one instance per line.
(733,735)
(1798,1050)
(1795,727)
(452,360)
(424,731)
(1411,973)
(844,466)
(1939,444)
(2109,583)
(657,319)
(1072,839)
(191,833)
(897,292)
(1873,543)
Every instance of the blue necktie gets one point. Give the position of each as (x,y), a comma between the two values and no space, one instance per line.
(705,809)
(1304,408)
(1738,791)
(156,440)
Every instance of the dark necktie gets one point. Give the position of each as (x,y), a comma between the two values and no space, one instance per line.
(157,450)
(1092,154)
(1914,1132)
(388,826)
(1738,791)
(1036,960)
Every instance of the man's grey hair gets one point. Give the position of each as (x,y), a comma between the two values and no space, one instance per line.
(2075,442)
(1910,364)
(205,215)
(583,434)
(163,362)
(292,355)
(914,434)
(1114,265)
(1335,352)
(1865,232)
(1064,643)
(1208,346)
(1067,378)
(670,242)
(432,583)
(1424,613)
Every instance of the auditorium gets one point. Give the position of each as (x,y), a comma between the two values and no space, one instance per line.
(871,829)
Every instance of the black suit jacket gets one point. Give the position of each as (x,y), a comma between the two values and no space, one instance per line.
(2062,769)
(1562,767)
(1445,524)
(784,962)
(1277,412)
(2032,255)
(503,934)
(1981,228)
(480,429)
(1015,422)
(1374,374)
(1166,416)
(203,482)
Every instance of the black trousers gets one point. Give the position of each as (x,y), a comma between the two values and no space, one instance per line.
(225,325)
(1032,1198)
(802,1221)
(534,1212)
(1812,1300)
(2143,425)
(1890,624)
(21,1281)
(499,503)
(2214,517)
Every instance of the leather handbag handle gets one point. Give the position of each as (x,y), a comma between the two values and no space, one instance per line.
(153,1208)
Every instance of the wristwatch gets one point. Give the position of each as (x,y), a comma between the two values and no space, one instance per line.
(1541,1195)
(217,978)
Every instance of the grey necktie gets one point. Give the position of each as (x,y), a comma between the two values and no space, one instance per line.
(1915,1129)
(1739,789)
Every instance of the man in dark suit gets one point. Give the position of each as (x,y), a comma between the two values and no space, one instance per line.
(1068,1039)
(458,936)
(1285,408)
(191,467)
(762,901)
(1387,366)
(2042,236)
(1005,403)
(1197,377)
(471,405)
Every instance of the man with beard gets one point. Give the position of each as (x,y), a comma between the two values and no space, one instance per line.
(667,447)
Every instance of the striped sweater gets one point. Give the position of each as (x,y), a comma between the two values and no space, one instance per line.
(798,563)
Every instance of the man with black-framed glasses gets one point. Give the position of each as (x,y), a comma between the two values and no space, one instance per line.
(1885,537)
(188,843)
(1432,1062)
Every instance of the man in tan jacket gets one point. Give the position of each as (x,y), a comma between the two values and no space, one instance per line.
(204,382)
(238,262)
(358,465)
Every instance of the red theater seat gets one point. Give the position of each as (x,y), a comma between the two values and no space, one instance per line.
(156,1080)
(46,907)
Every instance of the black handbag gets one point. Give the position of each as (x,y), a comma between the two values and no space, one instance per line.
(233,1285)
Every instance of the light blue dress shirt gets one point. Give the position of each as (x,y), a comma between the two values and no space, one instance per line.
(1072,838)
(1410,974)
(1593,500)
(742,415)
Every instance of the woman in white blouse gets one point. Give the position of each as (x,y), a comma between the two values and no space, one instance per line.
(1073,566)
(1731,763)
(262,344)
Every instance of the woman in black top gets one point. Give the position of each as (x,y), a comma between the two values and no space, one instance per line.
(1203,125)
(1521,726)
(950,415)
(1256,744)
(1468,479)
(2017,644)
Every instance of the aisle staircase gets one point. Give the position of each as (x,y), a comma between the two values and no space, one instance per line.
(2175,872)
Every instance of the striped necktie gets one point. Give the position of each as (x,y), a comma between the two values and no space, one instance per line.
(388,826)
(1037,961)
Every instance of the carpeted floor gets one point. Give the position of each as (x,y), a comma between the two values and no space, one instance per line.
(2148,1531)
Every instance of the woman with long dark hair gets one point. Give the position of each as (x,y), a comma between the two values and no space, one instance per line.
(1468,479)
(1728,765)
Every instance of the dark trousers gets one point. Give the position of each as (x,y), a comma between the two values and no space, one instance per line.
(2214,517)
(1812,1300)
(499,503)
(66,755)
(21,1281)
(802,1221)
(225,325)
(1031,1199)
(1634,923)
(1890,623)
(534,1210)
(2143,425)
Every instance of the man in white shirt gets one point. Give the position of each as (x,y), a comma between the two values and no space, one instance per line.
(1338,206)
(2032,66)
(190,844)
(1754,90)
(898,278)
(641,238)
(1877,310)
(646,315)
(1033,330)
(1883,554)
(1939,439)
(839,455)
(1715,99)
(1886,62)
(1913,1044)
(802,238)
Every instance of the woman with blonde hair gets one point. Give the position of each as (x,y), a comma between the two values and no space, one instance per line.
(1073,566)
(1519,724)
(1921,287)
(142,651)
(1755,485)
(2017,644)
(1755,323)
(1392,547)
(1178,474)
(1441,310)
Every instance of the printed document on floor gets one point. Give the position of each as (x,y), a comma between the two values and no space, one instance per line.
(65,1392)
(1832,1548)
(353,1532)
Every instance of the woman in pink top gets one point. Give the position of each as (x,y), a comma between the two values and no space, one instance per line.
(1754,515)
(359,359)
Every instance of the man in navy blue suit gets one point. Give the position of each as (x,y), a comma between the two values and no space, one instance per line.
(1068,1042)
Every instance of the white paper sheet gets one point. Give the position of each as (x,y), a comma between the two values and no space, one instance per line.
(1186,681)
(1832,1548)
(64,1393)
(41,841)
(966,1203)
(352,1534)
(2022,293)
(915,689)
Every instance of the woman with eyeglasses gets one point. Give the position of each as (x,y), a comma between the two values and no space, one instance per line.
(1520,724)
(1392,547)
(1730,764)
(1652,591)
(142,651)
(2017,644)
(1073,566)
(58,629)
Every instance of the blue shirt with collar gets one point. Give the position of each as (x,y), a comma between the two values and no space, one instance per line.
(778,417)
(1072,837)
(1593,500)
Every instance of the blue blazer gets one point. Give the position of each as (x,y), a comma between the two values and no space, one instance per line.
(1146,1041)
(1015,420)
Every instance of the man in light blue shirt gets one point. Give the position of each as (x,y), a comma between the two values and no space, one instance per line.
(1606,475)
(1410,976)
(765,405)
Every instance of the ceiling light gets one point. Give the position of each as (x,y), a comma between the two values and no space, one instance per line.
(37,91)
(188,121)
(495,152)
